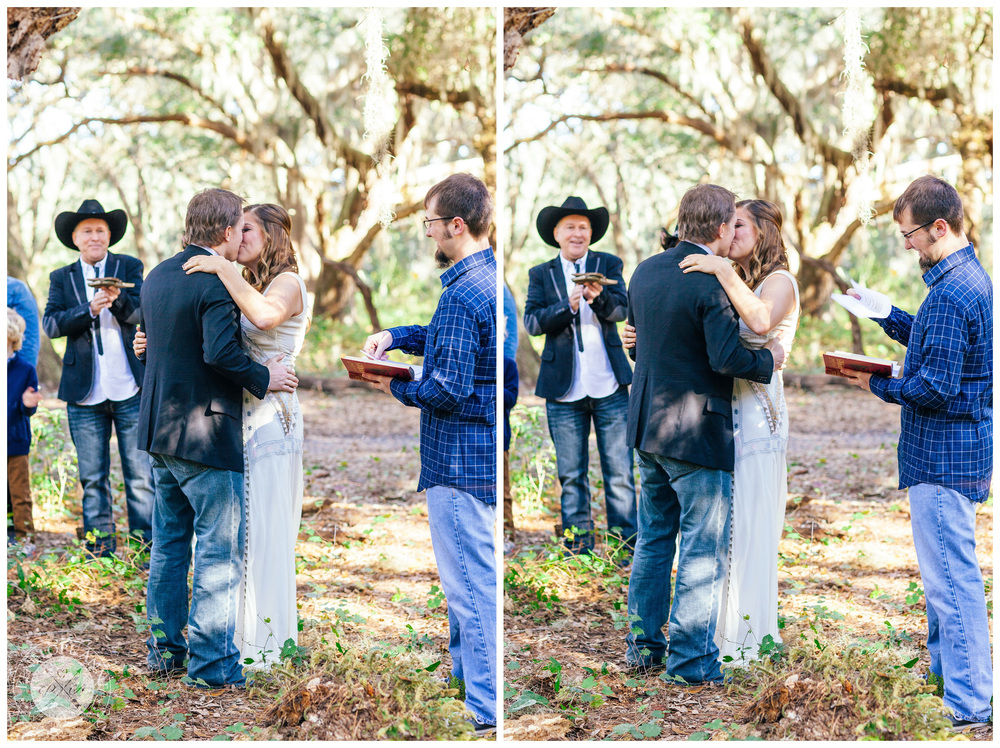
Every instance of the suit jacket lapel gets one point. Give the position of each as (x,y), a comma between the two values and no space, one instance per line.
(558,277)
(77,282)
(111,267)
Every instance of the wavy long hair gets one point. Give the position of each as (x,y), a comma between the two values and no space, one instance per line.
(278,255)
(769,253)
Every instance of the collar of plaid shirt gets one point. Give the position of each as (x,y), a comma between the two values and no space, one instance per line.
(936,273)
(477,259)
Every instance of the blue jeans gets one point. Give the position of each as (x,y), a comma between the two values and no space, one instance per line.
(462,535)
(958,633)
(196,500)
(678,497)
(569,427)
(90,428)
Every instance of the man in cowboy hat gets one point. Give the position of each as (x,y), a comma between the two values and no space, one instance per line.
(584,374)
(101,375)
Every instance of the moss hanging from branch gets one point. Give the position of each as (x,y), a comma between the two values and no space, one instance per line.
(379,113)
(857,123)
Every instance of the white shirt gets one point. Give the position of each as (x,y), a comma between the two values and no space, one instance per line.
(592,372)
(113,379)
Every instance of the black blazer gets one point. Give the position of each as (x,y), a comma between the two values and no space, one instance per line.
(67,313)
(195,369)
(688,352)
(547,312)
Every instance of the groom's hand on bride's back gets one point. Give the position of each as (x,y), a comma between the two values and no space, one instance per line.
(774,346)
(282,378)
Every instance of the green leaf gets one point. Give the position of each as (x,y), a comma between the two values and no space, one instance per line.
(650,730)
(911,663)
(526,699)
(173,732)
(433,666)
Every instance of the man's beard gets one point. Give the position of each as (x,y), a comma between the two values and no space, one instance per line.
(443,261)
(440,257)
(925,262)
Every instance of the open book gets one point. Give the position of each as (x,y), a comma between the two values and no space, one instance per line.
(872,304)
(837,361)
(356,366)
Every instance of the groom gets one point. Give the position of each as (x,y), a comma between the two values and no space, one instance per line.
(190,423)
(680,423)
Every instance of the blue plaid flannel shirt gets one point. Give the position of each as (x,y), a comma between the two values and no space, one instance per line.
(946,391)
(458,390)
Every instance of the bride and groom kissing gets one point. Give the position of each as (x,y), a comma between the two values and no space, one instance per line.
(681,424)
(227,464)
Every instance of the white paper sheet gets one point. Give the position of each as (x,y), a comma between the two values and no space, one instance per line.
(872,304)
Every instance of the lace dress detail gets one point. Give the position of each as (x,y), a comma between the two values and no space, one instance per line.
(749,610)
(272,458)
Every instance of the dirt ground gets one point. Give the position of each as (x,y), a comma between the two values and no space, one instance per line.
(854,556)
(364,547)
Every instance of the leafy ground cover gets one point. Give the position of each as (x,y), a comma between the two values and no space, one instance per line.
(852,606)
(372,652)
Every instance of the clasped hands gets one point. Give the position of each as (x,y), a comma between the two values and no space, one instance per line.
(103,299)
(587,291)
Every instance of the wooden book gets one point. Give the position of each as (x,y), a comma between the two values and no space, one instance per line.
(357,367)
(592,278)
(836,361)
(108,283)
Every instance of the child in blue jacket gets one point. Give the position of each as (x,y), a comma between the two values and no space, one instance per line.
(22,401)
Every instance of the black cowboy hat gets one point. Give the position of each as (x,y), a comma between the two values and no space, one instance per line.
(549,216)
(66,222)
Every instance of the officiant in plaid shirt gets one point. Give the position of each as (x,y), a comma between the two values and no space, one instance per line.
(456,395)
(946,437)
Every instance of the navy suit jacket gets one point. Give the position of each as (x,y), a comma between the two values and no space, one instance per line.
(195,369)
(67,313)
(547,312)
(688,352)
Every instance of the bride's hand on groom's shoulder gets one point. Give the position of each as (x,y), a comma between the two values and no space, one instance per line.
(205,264)
(699,263)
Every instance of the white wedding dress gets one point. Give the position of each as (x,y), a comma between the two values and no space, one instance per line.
(749,609)
(272,459)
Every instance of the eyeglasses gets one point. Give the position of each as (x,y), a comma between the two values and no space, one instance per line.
(428,221)
(908,233)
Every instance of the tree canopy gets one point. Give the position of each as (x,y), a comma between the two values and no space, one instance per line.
(629,107)
(142,107)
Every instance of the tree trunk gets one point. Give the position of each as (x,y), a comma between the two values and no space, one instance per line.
(27,30)
(335,292)
(516,23)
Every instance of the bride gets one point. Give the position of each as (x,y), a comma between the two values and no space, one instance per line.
(272,297)
(756,278)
